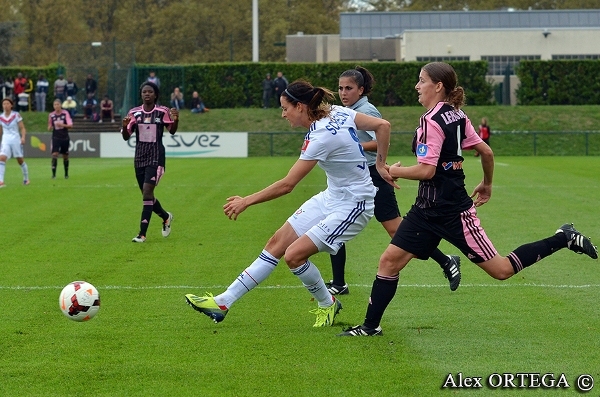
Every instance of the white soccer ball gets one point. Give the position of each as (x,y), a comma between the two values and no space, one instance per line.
(79,301)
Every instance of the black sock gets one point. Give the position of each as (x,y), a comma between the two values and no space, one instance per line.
(338,266)
(439,257)
(146,215)
(54,162)
(158,210)
(382,293)
(66,164)
(528,254)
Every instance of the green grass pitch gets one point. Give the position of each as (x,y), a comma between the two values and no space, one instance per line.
(146,341)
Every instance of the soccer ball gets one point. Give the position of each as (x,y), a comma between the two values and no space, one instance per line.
(79,301)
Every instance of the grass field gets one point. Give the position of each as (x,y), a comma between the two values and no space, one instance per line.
(146,341)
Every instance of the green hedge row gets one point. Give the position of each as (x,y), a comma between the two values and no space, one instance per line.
(569,82)
(230,85)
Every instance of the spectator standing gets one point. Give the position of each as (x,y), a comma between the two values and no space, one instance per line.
(267,87)
(89,106)
(107,109)
(91,86)
(71,88)
(484,133)
(70,105)
(41,91)
(11,123)
(153,78)
(281,84)
(21,97)
(177,98)
(197,105)
(60,90)
(59,122)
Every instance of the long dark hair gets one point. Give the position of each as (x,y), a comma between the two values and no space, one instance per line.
(318,99)
(362,77)
(444,73)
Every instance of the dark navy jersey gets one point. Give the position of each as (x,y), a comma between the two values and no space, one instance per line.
(149,128)
(442,134)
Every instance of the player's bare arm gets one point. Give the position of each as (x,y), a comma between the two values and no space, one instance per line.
(236,205)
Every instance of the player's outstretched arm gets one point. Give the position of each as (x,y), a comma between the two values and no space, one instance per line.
(236,205)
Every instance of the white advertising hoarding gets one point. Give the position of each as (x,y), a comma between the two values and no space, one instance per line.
(185,144)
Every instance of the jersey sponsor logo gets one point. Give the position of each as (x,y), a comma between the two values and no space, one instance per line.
(421,150)
(452,116)
(452,165)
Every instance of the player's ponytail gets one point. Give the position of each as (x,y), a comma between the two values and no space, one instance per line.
(444,73)
(317,99)
(362,77)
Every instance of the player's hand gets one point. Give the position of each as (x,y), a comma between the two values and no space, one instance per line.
(235,205)
(482,194)
(125,121)
(384,171)
(174,114)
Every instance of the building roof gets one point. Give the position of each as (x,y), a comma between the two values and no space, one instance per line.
(390,24)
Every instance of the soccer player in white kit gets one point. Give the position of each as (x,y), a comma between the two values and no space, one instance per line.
(325,221)
(13,139)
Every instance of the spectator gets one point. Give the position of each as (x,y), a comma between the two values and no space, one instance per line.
(70,105)
(71,88)
(89,106)
(484,133)
(60,88)
(267,86)
(197,105)
(177,99)
(91,86)
(153,78)
(19,89)
(7,88)
(41,90)
(107,109)
(281,84)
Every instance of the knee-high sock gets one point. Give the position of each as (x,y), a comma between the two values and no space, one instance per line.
(54,162)
(439,257)
(66,164)
(253,275)
(382,293)
(338,266)
(146,215)
(158,209)
(310,276)
(528,254)
(2,170)
(25,171)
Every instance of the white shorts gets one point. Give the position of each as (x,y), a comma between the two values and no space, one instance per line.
(12,150)
(329,224)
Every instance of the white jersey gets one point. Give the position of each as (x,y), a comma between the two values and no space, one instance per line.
(334,143)
(10,128)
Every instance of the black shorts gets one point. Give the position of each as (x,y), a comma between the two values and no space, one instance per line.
(60,145)
(420,234)
(150,174)
(386,206)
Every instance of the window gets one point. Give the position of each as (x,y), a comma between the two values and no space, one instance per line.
(443,59)
(497,64)
(584,56)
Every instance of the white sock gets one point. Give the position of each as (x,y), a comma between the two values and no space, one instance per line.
(310,276)
(2,170)
(253,275)
(25,171)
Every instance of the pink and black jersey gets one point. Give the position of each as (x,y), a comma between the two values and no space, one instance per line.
(149,128)
(58,121)
(442,134)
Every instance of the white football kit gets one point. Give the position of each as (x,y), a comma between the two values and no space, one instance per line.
(11,138)
(337,214)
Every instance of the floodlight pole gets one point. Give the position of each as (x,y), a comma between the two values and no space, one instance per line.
(254,30)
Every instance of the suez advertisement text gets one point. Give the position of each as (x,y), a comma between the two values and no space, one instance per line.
(112,145)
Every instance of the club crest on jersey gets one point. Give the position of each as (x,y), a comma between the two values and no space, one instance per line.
(305,144)
(147,120)
(421,150)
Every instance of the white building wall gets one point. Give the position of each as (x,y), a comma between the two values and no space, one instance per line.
(478,43)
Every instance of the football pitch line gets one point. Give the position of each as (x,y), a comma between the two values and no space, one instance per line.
(223,287)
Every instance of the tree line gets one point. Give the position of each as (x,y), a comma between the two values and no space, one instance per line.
(192,31)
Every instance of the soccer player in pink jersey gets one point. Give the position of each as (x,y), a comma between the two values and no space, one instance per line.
(148,123)
(59,122)
(443,209)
